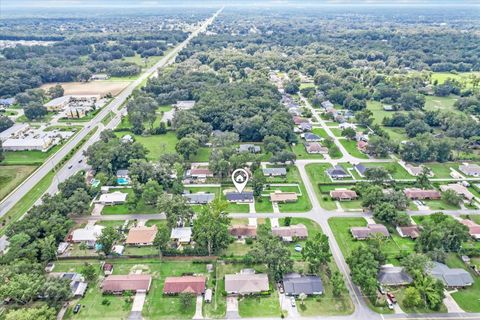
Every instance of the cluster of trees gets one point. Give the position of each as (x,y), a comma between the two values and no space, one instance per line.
(33,243)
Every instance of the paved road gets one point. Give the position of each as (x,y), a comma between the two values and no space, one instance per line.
(8,202)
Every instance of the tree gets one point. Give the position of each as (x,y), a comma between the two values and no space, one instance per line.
(338,284)
(79,202)
(22,288)
(364,117)
(107,239)
(380,146)
(56,291)
(422,180)
(377,175)
(88,272)
(349,133)
(283,157)
(162,238)
(364,270)
(48,248)
(416,263)
(287,221)
(302,296)
(33,111)
(56,91)
(270,250)
(292,87)
(442,232)
(412,298)
(210,228)
(5,123)
(387,213)
(187,146)
(177,210)
(417,127)
(452,198)
(258,181)
(40,313)
(431,290)
(186,299)
(371,195)
(224,139)
(274,144)
(317,252)
(151,190)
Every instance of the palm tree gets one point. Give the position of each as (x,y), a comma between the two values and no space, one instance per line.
(302,296)
(427,286)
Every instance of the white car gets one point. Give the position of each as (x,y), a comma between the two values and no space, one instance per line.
(292,301)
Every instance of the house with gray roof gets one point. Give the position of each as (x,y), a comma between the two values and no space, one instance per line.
(470,169)
(305,126)
(199,198)
(390,275)
(310,137)
(242,197)
(338,172)
(295,284)
(249,148)
(274,172)
(451,277)
(327,104)
(361,169)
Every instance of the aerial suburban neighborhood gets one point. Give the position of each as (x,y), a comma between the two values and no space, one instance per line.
(255,159)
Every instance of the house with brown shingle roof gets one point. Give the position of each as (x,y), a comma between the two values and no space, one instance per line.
(117,284)
(343,194)
(283,197)
(412,232)
(473,228)
(185,284)
(422,194)
(242,231)
(363,233)
(315,148)
(287,233)
(246,283)
(141,236)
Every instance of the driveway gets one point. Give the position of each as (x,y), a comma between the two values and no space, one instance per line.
(450,303)
(137,306)
(286,304)
(232,308)
(198,308)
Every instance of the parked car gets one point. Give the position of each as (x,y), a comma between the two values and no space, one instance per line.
(380,288)
(292,301)
(76,309)
(390,305)
(391,297)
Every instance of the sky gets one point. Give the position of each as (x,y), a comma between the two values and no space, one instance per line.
(6,4)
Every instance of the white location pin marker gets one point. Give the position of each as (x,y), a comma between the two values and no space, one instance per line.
(240,179)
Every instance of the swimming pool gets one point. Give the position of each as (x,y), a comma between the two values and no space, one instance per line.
(122,181)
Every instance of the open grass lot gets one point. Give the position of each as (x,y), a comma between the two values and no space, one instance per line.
(127,208)
(263,205)
(259,306)
(466,298)
(337,132)
(376,107)
(156,145)
(442,170)
(303,204)
(445,104)
(395,170)
(97,87)
(157,306)
(440,205)
(351,147)
(463,77)
(33,157)
(12,176)
(391,246)
(320,132)
(317,175)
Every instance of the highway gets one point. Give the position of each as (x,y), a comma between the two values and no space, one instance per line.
(16,195)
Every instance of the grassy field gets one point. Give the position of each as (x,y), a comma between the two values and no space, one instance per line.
(301,153)
(352,149)
(433,103)
(108,118)
(320,132)
(316,174)
(139,208)
(376,107)
(32,157)
(395,170)
(463,77)
(303,204)
(442,170)
(156,145)
(12,176)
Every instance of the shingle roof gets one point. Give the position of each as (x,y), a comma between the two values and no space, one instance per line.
(361,168)
(459,189)
(471,169)
(283,196)
(246,283)
(371,229)
(337,171)
(274,171)
(393,276)
(201,198)
(455,277)
(416,193)
(141,235)
(312,137)
(343,194)
(243,231)
(295,284)
(297,230)
(409,231)
(131,282)
(185,284)
(236,196)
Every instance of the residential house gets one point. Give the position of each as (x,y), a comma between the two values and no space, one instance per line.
(274,172)
(117,284)
(249,148)
(242,231)
(412,232)
(346,125)
(362,146)
(310,137)
(185,104)
(451,277)
(199,198)
(363,233)
(287,233)
(315,148)
(388,275)
(246,283)
(141,235)
(78,285)
(295,284)
(113,198)
(343,194)
(283,197)
(422,194)
(414,170)
(7,102)
(122,173)
(327,104)
(242,197)
(338,172)
(473,228)
(459,189)
(107,269)
(361,169)
(299,120)
(388,107)
(470,169)
(185,284)
(99,76)
(198,173)
(305,126)
(182,235)
(88,235)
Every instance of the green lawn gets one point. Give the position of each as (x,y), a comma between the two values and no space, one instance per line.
(433,103)
(263,205)
(440,205)
(463,77)
(301,152)
(259,306)
(316,174)
(467,298)
(351,147)
(399,293)
(303,203)
(156,145)
(12,176)
(108,118)
(320,132)
(376,107)
(337,132)
(441,170)
(139,207)
(33,157)
(395,170)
